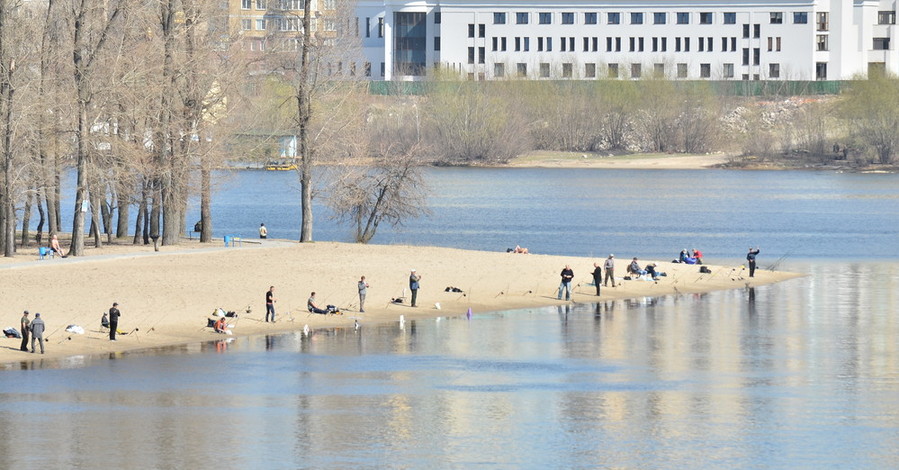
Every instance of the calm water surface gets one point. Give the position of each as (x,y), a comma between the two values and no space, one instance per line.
(803,374)
(590,212)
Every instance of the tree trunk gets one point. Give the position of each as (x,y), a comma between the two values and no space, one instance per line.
(39,236)
(26,219)
(155,210)
(141,215)
(123,213)
(6,104)
(77,248)
(106,217)
(96,202)
(304,116)
(205,203)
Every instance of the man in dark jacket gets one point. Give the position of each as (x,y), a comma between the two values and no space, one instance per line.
(37,332)
(750,257)
(567,276)
(114,315)
(597,277)
(25,326)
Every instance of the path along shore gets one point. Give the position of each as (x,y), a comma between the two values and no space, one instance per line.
(166,297)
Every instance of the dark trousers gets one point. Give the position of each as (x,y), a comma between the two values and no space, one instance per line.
(112,327)
(414,296)
(751,268)
(596,281)
(24,346)
(270,310)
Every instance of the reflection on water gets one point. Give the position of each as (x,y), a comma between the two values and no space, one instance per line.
(800,374)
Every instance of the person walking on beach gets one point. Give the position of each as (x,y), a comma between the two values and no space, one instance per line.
(114,315)
(609,265)
(270,304)
(37,332)
(263,232)
(750,257)
(24,325)
(414,279)
(597,277)
(363,289)
(567,276)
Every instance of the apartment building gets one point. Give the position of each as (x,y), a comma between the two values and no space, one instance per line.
(704,39)
(264,24)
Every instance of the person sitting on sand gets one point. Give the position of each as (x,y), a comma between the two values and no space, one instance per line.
(54,245)
(697,255)
(221,326)
(312,306)
(519,249)
(634,268)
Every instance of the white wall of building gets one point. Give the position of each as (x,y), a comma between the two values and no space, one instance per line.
(779,45)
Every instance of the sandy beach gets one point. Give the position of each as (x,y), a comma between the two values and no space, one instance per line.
(551,159)
(166,297)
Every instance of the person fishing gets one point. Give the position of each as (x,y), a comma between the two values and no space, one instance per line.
(750,257)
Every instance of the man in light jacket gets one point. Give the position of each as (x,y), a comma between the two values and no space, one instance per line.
(37,332)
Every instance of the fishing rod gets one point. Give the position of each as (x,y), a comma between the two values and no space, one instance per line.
(776,264)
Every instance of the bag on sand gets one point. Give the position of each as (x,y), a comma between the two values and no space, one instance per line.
(705,269)
(12,333)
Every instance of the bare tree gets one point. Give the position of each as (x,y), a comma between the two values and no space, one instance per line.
(388,187)
(92,26)
(309,64)
(7,92)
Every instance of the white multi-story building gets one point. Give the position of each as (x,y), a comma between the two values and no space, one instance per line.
(590,39)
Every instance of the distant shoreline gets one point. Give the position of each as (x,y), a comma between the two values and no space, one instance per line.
(640,161)
(656,161)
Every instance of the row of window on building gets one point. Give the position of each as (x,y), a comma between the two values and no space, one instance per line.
(822,18)
(639,18)
(284,4)
(566,70)
(285,23)
(614,71)
(614,44)
(750,56)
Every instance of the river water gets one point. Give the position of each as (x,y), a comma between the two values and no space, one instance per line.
(802,374)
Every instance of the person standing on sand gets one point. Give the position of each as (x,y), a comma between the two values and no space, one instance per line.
(270,304)
(363,289)
(263,232)
(414,279)
(114,315)
(750,257)
(609,265)
(567,276)
(24,325)
(597,277)
(37,332)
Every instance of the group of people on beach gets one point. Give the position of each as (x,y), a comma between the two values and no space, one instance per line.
(598,280)
(693,256)
(312,303)
(634,269)
(34,329)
